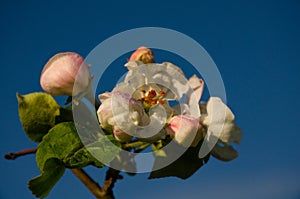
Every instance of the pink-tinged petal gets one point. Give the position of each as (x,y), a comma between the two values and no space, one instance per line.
(224,153)
(197,85)
(59,74)
(104,114)
(121,111)
(104,96)
(185,130)
(143,54)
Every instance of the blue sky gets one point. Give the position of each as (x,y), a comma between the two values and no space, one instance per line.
(255,45)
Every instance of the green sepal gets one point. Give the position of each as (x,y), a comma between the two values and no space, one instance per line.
(41,185)
(37,113)
(156,149)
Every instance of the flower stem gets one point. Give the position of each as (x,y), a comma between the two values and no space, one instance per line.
(12,156)
(135,144)
(142,147)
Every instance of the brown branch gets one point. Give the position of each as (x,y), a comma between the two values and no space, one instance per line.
(101,193)
(12,156)
(112,175)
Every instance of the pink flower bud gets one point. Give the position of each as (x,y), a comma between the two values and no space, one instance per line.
(185,130)
(59,74)
(143,54)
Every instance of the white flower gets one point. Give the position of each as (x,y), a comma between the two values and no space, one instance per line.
(219,120)
(153,85)
(127,110)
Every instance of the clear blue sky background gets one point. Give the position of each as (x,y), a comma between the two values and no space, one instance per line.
(255,45)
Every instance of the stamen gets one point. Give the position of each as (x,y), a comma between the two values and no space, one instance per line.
(146,99)
(153,102)
(151,94)
(152,98)
(161,102)
(162,93)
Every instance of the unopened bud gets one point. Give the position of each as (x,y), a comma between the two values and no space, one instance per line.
(60,72)
(143,54)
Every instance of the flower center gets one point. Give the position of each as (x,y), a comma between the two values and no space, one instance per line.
(152,98)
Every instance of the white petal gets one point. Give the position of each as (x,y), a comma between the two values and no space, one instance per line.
(218,111)
(104,96)
(220,121)
(104,113)
(134,79)
(158,118)
(181,109)
(218,116)
(122,112)
(133,64)
(197,86)
(166,76)
(173,66)
(123,88)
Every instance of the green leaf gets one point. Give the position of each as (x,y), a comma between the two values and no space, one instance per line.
(41,185)
(63,146)
(82,158)
(103,149)
(184,167)
(61,142)
(37,113)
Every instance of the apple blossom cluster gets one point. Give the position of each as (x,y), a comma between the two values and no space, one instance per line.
(122,111)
